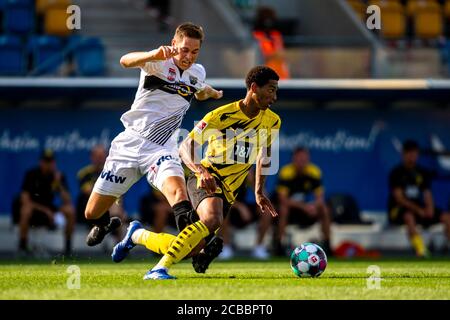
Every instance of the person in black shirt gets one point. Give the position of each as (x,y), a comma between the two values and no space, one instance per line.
(86,180)
(300,197)
(410,198)
(37,206)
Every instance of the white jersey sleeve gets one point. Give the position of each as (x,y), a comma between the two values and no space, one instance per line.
(153,67)
(202,77)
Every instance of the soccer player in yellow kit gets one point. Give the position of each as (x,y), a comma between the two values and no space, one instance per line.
(238,135)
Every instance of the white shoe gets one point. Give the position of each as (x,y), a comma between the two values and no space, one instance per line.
(227,253)
(260,252)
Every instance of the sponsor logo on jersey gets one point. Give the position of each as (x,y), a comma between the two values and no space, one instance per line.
(164,158)
(112,177)
(193,80)
(200,126)
(172,74)
(184,90)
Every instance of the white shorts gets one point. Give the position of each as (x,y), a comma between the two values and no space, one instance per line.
(132,156)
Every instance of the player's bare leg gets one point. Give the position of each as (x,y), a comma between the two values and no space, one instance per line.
(69,213)
(414,235)
(174,248)
(445,219)
(324,217)
(210,211)
(26,211)
(97,212)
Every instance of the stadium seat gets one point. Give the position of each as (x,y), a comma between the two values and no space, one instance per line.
(46,54)
(428,21)
(427,17)
(89,57)
(43,5)
(393,19)
(12,56)
(447,17)
(55,22)
(18,17)
(359,7)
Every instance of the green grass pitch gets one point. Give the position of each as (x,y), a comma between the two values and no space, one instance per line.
(239,279)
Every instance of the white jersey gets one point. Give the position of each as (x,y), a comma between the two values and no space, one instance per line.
(162,99)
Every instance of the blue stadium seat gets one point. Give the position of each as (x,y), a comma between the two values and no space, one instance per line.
(29,3)
(46,54)
(12,56)
(89,57)
(19,17)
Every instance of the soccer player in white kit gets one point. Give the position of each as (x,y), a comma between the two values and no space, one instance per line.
(169,80)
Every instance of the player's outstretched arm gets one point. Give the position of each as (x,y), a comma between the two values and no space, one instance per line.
(208,92)
(260,180)
(139,59)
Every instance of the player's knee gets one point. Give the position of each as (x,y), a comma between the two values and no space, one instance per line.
(26,212)
(89,213)
(212,222)
(445,218)
(409,219)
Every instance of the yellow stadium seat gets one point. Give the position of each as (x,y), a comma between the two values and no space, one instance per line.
(447,10)
(428,19)
(412,5)
(393,19)
(359,7)
(55,22)
(43,5)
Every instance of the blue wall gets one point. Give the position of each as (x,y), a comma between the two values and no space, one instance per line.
(354,148)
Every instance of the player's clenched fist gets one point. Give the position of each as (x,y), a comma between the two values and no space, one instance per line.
(167,52)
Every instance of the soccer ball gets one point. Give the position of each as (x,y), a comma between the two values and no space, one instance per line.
(308,260)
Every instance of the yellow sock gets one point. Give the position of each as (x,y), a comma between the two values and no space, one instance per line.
(186,240)
(156,242)
(418,245)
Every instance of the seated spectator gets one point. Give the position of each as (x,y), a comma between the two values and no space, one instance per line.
(242,213)
(156,211)
(37,201)
(271,41)
(411,200)
(300,198)
(86,179)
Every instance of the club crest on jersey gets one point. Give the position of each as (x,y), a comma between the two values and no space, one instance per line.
(193,80)
(172,74)
(200,126)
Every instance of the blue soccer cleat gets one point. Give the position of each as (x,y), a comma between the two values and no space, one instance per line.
(122,249)
(159,274)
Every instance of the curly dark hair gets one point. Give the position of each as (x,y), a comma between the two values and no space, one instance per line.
(261,75)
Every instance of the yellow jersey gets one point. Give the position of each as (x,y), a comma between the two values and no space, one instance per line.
(234,141)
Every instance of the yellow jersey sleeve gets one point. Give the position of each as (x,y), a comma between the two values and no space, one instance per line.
(205,128)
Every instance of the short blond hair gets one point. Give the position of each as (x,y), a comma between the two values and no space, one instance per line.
(190,30)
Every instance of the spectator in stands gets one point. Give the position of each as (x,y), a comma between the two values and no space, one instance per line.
(300,198)
(411,200)
(37,201)
(242,213)
(86,180)
(156,211)
(271,41)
